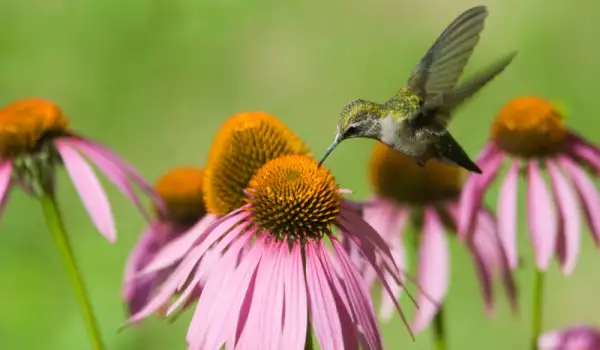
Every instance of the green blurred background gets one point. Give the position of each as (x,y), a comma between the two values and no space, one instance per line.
(154,80)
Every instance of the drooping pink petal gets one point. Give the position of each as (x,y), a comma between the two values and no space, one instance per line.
(6,168)
(334,272)
(474,189)
(206,233)
(541,217)
(507,214)
(89,189)
(169,287)
(369,252)
(137,290)
(105,152)
(589,196)
(586,152)
(356,226)
(359,298)
(216,284)
(296,307)
(485,275)
(433,268)
(113,173)
(324,315)
(222,322)
(568,234)
(270,324)
(250,326)
(389,221)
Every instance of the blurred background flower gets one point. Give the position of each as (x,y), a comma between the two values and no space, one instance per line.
(154,80)
(579,337)
(181,191)
(426,198)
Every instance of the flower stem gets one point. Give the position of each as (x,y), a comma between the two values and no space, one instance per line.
(57,228)
(537,306)
(309,344)
(439,330)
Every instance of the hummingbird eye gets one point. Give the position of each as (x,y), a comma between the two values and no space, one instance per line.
(351,130)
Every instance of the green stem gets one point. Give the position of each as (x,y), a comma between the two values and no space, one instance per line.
(57,228)
(309,344)
(537,306)
(439,330)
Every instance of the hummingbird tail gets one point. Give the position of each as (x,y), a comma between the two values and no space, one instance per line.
(450,151)
(467,89)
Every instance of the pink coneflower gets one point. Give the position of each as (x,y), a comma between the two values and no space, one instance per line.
(428,197)
(582,337)
(181,191)
(244,143)
(35,137)
(531,136)
(277,274)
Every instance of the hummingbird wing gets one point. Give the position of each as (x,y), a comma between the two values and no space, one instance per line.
(439,70)
(467,89)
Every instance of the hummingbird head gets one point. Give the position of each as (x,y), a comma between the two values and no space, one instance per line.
(358,118)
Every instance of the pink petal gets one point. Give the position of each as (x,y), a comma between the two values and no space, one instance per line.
(120,163)
(324,315)
(138,289)
(271,324)
(6,168)
(115,174)
(368,251)
(216,284)
(222,322)
(295,314)
(348,319)
(262,304)
(205,231)
(89,189)
(433,269)
(541,217)
(474,189)
(507,214)
(355,226)
(389,221)
(587,152)
(568,237)
(578,337)
(485,276)
(588,195)
(359,298)
(167,290)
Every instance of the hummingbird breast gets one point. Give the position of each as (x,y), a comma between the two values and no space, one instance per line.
(398,135)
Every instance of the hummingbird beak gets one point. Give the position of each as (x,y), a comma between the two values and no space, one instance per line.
(336,142)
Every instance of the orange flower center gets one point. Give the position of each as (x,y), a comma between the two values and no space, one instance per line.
(244,144)
(181,190)
(25,123)
(293,198)
(398,177)
(529,127)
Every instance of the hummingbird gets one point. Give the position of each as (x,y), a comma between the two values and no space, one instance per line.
(414,121)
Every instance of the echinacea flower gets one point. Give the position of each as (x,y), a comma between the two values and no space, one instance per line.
(531,136)
(181,191)
(581,337)
(244,143)
(276,276)
(427,197)
(35,137)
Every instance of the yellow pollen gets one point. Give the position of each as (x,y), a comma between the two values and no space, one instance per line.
(24,124)
(181,190)
(398,177)
(293,198)
(529,127)
(245,142)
